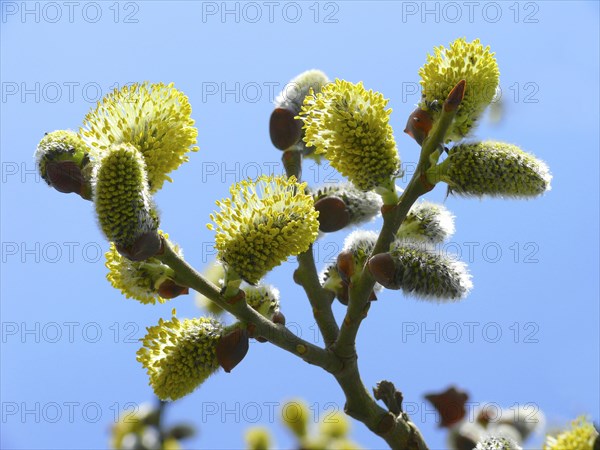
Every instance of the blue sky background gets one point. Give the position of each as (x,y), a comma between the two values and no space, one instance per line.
(548,289)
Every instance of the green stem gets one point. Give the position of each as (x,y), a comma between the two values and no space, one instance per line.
(393,217)
(360,290)
(320,299)
(275,333)
(388,192)
(159,419)
(341,360)
(397,431)
(359,404)
(306,275)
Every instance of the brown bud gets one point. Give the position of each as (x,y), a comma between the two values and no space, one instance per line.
(146,246)
(278,318)
(345,265)
(343,295)
(284,130)
(450,404)
(251,329)
(296,276)
(292,161)
(455,97)
(65,176)
(170,289)
(419,125)
(383,269)
(232,348)
(333,214)
(241,295)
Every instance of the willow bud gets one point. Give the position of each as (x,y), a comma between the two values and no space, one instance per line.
(285,130)
(258,438)
(332,281)
(63,161)
(155,118)
(469,61)
(495,169)
(296,415)
(263,298)
(149,281)
(262,224)
(582,436)
(123,204)
(180,355)
(421,272)
(498,443)
(357,248)
(335,426)
(427,222)
(342,205)
(350,127)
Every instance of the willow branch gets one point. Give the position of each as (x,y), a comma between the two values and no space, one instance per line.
(277,334)
(320,299)
(393,217)
(397,430)
(306,275)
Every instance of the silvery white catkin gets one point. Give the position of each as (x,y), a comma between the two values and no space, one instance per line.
(293,94)
(427,222)
(498,443)
(494,169)
(362,206)
(421,272)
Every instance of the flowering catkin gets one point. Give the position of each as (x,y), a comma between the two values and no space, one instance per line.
(179,355)
(350,127)
(123,204)
(469,61)
(421,272)
(145,280)
(63,161)
(427,222)
(155,118)
(361,206)
(494,169)
(262,224)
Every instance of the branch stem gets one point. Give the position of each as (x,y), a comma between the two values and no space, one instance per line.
(306,275)
(339,358)
(274,333)
(320,299)
(393,217)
